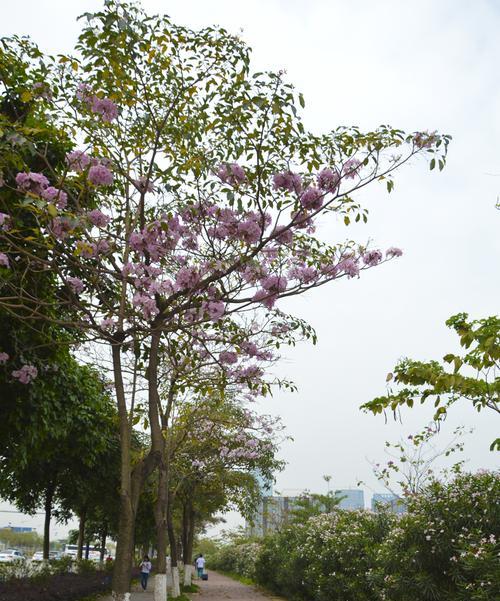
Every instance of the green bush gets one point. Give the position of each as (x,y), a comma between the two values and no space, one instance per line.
(238,557)
(329,558)
(447,547)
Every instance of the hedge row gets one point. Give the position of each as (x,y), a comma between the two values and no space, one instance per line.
(446,548)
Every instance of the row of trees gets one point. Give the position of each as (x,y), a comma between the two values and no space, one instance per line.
(157,201)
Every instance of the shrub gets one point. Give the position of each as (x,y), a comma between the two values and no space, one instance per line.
(446,548)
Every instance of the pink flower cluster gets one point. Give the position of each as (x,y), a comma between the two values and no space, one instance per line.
(4,222)
(312,198)
(98,218)
(231,173)
(4,357)
(99,175)
(26,374)
(104,107)
(4,260)
(38,184)
(351,168)
(78,161)
(328,180)
(287,181)
(75,284)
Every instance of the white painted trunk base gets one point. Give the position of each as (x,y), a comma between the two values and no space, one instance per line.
(120,596)
(176,589)
(160,588)
(188,575)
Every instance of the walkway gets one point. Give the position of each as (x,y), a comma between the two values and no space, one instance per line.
(217,588)
(221,588)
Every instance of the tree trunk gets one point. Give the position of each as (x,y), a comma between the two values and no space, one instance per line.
(188,540)
(125,544)
(176,591)
(131,484)
(160,588)
(81,534)
(104,536)
(49,498)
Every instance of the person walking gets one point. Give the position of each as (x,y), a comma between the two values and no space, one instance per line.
(200,565)
(145,568)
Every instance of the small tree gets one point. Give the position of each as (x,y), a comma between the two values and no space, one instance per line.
(474,375)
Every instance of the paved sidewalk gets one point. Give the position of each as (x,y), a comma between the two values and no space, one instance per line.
(222,588)
(216,588)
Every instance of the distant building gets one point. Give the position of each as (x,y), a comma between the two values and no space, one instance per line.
(389,501)
(19,529)
(266,485)
(273,512)
(351,498)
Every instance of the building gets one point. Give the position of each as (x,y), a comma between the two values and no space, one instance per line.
(392,502)
(19,529)
(351,498)
(266,485)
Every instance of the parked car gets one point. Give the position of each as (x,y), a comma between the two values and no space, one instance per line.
(11,555)
(53,555)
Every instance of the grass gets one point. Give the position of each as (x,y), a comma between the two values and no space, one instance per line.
(194,588)
(238,577)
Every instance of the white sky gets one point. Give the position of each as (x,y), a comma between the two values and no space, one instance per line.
(416,64)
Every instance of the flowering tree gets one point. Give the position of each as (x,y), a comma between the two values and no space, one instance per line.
(216,445)
(191,194)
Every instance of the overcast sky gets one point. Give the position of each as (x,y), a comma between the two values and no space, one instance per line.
(416,64)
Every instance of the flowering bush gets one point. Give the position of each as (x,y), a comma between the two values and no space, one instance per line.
(447,546)
(328,558)
(237,558)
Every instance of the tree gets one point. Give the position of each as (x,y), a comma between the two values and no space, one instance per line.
(193,198)
(38,469)
(473,377)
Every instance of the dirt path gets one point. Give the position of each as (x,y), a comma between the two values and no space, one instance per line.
(221,588)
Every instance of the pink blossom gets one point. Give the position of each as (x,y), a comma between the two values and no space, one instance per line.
(215,309)
(349,266)
(42,90)
(283,235)
(351,168)
(187,277)
(75,284)
(287,181)
(265,297)
(231,173)
(303,273)
(4,260)
(98,218)
(4,221)
(228,357)
(77,160)
(372,258)
(83,92)
(146,304)
(107,324)
(61,227)
(26,374)
(311,198)
(328,180)
(59,196)
(104,107)
(274,283)
(4,357)
(393,252)
(250,348)
(100,176)
(249,231)
(31,182)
